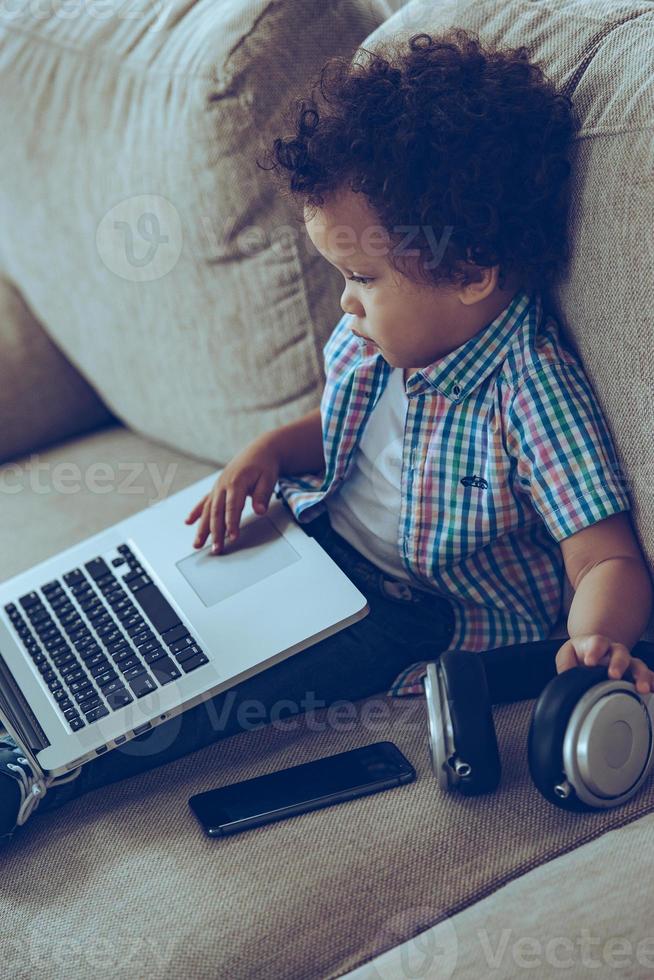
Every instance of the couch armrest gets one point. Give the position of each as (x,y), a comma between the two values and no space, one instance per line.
(43,398)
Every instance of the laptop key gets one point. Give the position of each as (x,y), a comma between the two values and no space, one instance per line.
(112,686)
(106,677)
(84,694)
(145,636)
(188,653)
(88,651)
(76,687)
(154,654)
(157,608)
(127,663)
(39,614)
(142,685)
(165,670)
(197,661)
(29,600)
(152,644)
(89,705)
(134,672)
(140,582)
(97,568)
(96,713)
(135,626)
(76,723)
(174,634)
(180,645)
(119,698)
(123,653)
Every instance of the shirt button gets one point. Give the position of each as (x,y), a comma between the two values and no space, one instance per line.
(456,390)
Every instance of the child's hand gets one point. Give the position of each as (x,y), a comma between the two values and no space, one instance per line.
(591,649)
(254,472)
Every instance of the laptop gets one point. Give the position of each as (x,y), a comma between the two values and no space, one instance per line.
(132,626)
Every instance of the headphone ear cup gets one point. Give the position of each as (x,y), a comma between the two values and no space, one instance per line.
(471,715)
(549,722)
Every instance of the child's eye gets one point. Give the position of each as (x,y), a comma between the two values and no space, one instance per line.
(362,279)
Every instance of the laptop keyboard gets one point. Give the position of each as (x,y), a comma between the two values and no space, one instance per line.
(91,644)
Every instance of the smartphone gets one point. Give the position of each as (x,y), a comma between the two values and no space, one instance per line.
(278,795)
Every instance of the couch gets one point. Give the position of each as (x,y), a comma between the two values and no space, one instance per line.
(159,308)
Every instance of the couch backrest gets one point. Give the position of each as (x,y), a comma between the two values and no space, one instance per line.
(136,222)
(601,53)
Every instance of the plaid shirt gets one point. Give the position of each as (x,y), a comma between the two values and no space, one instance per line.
(506,453)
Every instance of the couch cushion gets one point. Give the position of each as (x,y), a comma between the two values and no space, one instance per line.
(151,246)
(42,397)
(601,53)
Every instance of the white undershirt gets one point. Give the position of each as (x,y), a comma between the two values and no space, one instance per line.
(366,508)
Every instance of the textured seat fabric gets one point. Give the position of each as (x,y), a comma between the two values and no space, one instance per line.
(42,397)
(136,222)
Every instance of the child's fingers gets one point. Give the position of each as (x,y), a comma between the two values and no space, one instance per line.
(642,676)
(566,657)
(234,502)
(197,510)
(217,521)
(262,491)
(203,526)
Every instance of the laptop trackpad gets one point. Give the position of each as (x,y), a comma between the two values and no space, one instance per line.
(259,551)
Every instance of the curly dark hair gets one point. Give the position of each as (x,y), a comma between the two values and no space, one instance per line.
(443,133)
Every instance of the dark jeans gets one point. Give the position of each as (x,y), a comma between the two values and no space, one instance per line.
(354,663)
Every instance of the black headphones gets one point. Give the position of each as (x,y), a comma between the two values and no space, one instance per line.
(591,739)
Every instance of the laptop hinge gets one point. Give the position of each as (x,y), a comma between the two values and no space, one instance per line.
(18,713)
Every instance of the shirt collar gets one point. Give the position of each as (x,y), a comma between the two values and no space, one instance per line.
(460,371)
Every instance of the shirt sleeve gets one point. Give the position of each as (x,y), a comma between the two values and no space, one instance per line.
(566,460)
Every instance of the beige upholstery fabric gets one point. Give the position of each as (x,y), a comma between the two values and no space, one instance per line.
(601,53)
(42,397)
(136,221)
(583,914)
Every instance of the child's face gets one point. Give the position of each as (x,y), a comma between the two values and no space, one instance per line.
(411,324)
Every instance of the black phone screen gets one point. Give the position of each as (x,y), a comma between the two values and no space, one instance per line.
(301,788)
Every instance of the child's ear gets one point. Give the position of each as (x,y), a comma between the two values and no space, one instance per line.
(484,283)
